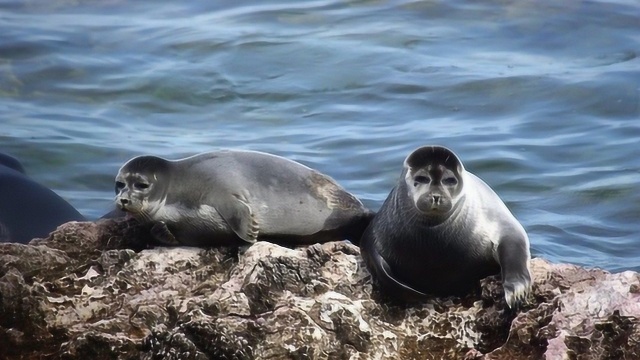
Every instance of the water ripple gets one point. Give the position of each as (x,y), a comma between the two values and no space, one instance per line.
(540,100)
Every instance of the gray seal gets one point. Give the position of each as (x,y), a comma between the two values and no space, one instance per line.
(232,197)
(441,230)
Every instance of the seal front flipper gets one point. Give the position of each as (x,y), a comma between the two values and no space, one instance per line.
(384,274)
(513,255)
(388,280)
(238,214)
(161,233)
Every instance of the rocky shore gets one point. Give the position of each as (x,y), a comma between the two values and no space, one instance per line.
(95,291)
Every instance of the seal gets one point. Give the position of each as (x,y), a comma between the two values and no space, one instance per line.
(231,197)
(441,230)
(28,209)
(10,162)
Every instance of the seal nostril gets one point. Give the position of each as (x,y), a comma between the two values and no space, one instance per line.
(124,201)
(436,199)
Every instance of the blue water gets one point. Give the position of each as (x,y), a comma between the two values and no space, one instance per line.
(541,99)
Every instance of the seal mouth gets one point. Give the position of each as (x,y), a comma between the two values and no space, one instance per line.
(124,208)
(430,207)
(435,211)
(129,212)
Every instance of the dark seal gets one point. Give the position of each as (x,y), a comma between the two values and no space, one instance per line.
(441,230)
(234,197)
(28,210)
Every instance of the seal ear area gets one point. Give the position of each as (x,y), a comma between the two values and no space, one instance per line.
(142,172)
(146,164)
(135,181)
(433,154)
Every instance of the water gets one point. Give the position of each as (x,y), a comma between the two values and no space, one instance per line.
(541,99)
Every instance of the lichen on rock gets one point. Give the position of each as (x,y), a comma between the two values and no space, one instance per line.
(94,290)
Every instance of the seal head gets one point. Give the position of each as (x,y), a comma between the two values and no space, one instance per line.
(141,186)
(433,177)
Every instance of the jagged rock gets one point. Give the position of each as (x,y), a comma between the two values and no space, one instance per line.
(94,290)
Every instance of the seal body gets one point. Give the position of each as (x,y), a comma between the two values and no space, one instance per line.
(28,209)
(441,230)
(233,197)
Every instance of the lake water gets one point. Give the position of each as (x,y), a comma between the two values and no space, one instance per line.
(541,99)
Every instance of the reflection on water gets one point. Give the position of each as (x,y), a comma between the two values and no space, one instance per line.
(540,99)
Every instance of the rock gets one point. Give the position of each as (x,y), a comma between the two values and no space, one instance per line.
(94,290)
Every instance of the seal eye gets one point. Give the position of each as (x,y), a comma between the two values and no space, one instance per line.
(141,186)
(420,179)
(450,181)
(119,186)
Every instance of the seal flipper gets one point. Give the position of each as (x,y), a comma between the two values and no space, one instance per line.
(238,214)
(513,255)
(161,232)
(389,281)
(384,274)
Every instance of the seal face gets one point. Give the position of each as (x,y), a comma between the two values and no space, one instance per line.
(141,188)
(441,230)
(434,183)
(28,209)
(230,197)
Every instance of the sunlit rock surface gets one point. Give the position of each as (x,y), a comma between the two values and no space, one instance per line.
(94,291)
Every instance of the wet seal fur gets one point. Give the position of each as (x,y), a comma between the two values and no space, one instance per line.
(441,230)
(28,209)
(232,197)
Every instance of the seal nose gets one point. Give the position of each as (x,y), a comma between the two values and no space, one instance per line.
(124,202)
(436,199)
